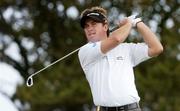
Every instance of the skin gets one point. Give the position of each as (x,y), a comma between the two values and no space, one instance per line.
(95,31)
(155,47)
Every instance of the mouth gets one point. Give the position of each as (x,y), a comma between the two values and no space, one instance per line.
(91,34)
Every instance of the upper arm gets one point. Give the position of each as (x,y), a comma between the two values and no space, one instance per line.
(139,52)
(152,52)
(118,36)
(108,44)
(89,54)
(154,45)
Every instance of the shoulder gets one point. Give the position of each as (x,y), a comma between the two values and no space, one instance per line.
(89,47)
(124,46)
(133,45)
(130,47)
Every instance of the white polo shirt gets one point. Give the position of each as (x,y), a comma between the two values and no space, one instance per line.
(110,75)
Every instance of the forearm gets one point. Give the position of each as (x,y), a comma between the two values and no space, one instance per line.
(122,33)
(155,47)
(117,37)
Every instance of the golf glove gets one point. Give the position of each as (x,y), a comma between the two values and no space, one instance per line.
(134,20)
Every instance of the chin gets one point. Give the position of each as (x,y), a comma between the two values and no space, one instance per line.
(93,39)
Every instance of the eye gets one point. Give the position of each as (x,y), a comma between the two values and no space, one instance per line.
(94,23)
(86,26)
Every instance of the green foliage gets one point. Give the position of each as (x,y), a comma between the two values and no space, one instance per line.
(54,34)
(61,86)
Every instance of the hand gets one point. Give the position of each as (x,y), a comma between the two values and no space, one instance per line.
(132,17)
(125,21)
(134,20)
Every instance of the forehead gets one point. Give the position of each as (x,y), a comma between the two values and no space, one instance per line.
(90,21)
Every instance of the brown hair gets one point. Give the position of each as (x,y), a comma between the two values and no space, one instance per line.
(97,9)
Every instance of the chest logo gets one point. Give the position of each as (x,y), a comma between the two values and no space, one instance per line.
(119,58)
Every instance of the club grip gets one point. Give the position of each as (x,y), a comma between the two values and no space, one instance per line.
(113,29)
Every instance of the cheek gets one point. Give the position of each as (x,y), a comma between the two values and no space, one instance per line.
(101,30)
(85,32)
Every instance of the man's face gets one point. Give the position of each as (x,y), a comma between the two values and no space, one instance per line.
(95,31)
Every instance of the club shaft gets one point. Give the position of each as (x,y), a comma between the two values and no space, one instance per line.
(55,62)
(115,28)
(64,57)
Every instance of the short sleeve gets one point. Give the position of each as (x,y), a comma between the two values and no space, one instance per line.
(89,54)
(138,53)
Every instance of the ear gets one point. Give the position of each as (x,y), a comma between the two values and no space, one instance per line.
(106,26)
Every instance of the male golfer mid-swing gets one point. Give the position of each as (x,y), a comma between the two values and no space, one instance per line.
(108,62)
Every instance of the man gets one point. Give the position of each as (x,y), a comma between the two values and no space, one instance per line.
(108,62)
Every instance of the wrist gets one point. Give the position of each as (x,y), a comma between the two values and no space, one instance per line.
(129,23)
(135,21)
(138,23)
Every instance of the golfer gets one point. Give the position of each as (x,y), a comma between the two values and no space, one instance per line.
(108,62)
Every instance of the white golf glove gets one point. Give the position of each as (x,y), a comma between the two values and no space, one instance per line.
(134,20)
(132,17)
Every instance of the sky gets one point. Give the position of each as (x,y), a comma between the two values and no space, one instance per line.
(9,79)
(6,104)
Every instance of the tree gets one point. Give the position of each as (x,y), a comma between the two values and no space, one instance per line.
(44,31)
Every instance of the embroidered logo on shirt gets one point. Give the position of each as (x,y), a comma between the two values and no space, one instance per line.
(119,58)
(94,44)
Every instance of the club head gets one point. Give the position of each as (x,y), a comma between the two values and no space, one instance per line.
(29,81)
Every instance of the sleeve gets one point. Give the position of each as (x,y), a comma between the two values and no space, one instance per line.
(89,54)
(138,53)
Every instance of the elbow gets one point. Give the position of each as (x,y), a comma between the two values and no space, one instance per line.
(117,39)
(160,50)
(157,51)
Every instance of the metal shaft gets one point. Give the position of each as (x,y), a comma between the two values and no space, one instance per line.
(30,79)
(55,62)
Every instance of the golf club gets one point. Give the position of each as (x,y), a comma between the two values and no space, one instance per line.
(29,81)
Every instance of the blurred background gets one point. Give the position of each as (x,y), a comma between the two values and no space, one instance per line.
(34,33)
